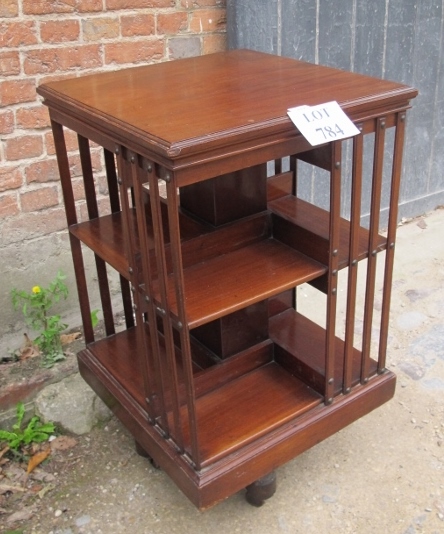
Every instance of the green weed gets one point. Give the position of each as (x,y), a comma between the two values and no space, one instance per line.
(36,306)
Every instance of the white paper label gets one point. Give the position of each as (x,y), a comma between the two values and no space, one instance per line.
(323,123)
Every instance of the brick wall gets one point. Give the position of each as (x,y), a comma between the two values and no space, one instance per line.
(43,40)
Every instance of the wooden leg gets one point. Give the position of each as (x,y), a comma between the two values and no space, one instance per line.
(261,490)
(142,452)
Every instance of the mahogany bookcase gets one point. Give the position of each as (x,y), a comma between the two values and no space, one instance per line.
(218,374)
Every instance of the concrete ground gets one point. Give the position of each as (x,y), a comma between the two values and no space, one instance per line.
(382,474)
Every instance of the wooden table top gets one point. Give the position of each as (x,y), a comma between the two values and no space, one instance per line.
(185,103)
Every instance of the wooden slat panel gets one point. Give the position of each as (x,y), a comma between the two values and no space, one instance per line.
(391,235)
(333,266)
(378,160)
(71,217)
(354,256)
(186,359)
(93,213)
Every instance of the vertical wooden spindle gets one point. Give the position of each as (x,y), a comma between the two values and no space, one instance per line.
(355,225)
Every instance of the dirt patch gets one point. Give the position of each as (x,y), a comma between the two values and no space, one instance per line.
(43,499)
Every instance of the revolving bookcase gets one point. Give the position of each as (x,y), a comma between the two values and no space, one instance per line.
(219,374)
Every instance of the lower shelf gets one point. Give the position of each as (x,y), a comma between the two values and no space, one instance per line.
(240,399)
(245,409)
(230,415)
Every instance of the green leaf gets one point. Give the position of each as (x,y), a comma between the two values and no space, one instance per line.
(48,428)
(32,424)
(5,435)
(94,318)
(15,442)
(34,432)
(39,437)
(20,415)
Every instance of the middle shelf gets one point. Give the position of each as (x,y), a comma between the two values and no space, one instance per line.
(235,265)
(232,281)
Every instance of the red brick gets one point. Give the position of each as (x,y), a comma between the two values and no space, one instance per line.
(6,122)
(134,52)
(9,63)
(98,28)
(42,171)
(17,91)
(59,31)
(135,4)
(78,189)
(216,42)
(70,140)
(16,34)
(141,24)
(33,117)
(208,20)
(24,146)
(62,59)
(10,178)
(8,207)
(172,22)
(45,7)
(89,6)
(8,8)
(42,198)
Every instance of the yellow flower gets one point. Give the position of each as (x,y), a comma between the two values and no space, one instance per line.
(36,289)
